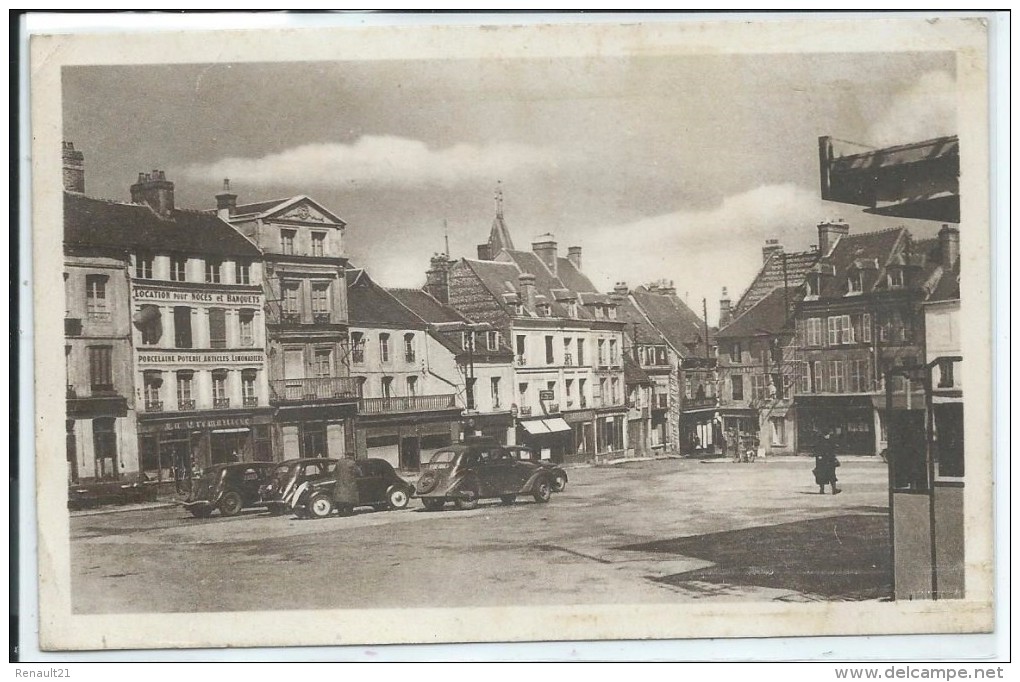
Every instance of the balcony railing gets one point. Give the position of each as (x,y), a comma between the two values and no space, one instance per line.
(322,318)
(412,403)
(699,403)
(221,403)
(251,401)
(290,317)
(153,405)
(311,390)
(185,405)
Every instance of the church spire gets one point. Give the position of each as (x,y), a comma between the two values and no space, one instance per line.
(499,235)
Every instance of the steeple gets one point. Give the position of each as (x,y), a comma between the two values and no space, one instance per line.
(499,235)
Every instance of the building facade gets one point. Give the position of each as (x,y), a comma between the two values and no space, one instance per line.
(305,292)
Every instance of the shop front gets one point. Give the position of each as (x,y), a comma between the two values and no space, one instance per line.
(315,431)
(499,427)
(850,419)
(701,431)
(582,436)
(551,437)
(406,444)
(610,434)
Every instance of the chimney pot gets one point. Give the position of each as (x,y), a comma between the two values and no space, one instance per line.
(771,246)
(544,247)
(949,245)
(574,256)
(154,190)
(829,233)
(226,202)
(437,278)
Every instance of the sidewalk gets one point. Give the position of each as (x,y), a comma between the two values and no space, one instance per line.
(117,508)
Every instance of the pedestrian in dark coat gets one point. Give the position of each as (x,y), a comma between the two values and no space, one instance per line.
(825,464)
(345,492)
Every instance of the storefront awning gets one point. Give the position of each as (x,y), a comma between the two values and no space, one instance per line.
(556,425)
(536,427)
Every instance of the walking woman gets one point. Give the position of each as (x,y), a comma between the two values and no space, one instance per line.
(825,464)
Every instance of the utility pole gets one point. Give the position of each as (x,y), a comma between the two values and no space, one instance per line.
(786,291)
(704,312)
(471,369)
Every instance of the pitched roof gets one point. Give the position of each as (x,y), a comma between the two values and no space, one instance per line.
(947,288)
(769,315)
(425,306)
(678,324)
(500,277)
(98,222)
(572,278)
(259,206)
(637,324)
(771,275)
(499,235)
(852,248)
(632,372)
(370,305)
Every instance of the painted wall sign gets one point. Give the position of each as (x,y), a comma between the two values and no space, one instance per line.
(199,358)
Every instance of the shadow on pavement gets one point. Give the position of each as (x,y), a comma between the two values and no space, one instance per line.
(839,557)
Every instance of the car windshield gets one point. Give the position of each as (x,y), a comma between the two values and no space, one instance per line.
(443,459)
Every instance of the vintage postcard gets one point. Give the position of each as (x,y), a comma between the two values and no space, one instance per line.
(419,334)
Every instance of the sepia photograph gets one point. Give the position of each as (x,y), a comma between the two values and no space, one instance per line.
(512,333)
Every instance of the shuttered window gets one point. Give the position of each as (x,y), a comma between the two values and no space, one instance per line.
(101,368)
(217,328)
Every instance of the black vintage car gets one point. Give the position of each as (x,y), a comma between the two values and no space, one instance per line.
(227,487)
(126,490)
(559,481)
(277,492)
(377,484)
(471,471)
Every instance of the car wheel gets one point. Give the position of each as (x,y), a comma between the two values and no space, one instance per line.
(559,483)
(468,498)
(508,499)
(398,498)
(542,491)
(200,512)
(433,503)
(230,504)
(320,506)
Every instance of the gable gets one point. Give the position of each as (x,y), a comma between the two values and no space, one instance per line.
(304,210)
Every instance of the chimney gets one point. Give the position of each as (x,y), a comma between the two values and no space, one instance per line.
(829,233)
(574,256)
(156,191)
(484,252)
(667,290)
(725,314)
(544,247)
(226,202)
(771,246)
(437,278)
(74,168)
(621,289)
(526,281)
(949,245)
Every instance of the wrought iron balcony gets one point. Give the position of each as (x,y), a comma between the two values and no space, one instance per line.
(251,401)
(185,405)
(290,317)
(322,318)
(313,390)
(412,403)
(221,403)
(153,405)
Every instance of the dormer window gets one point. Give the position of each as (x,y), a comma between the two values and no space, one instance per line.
(518,310)
(600,311)
(544,310)
(812,282)
(612,312)
(571,310)
(895,278)
(855,282)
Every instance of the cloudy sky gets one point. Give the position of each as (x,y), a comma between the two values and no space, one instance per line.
(659,167)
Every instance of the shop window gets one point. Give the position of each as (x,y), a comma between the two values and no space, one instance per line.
(101,369)
(217,328)
(182,327)
(246,321)
(213,271)
(104,441)
(143,266)
(185,386)
(178,268)
(242,272)
(95,298)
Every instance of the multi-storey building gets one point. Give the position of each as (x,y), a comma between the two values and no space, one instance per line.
(569,395)
(306,319)
(101,429)
(408,379)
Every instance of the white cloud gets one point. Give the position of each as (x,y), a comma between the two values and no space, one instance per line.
(380,161)
(925,110)
(704,250)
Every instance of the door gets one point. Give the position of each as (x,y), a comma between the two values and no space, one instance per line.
(371,484)
(410,453)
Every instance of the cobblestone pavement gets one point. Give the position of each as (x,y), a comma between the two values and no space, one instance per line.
(641,532)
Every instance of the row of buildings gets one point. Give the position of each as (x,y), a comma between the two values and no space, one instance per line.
(243,332)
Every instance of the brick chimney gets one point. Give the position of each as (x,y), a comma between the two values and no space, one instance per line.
(949,245)
(574,256)
(725,312)
(74,168)
(829,233)
(156,191)
(226,202)
(771,246)
(484,252)
(621,289)
(526,281)
(544,247)
(437,278)
(667,289)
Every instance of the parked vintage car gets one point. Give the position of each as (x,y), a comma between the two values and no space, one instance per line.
(130,489)
(285,478)
(475,470)
(227,487)
(524,454)
(376,485)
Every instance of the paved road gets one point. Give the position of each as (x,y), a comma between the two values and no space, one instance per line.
(646,532)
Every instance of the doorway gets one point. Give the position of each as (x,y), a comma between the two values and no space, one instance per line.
(410,453)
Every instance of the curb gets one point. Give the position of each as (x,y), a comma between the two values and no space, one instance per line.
(120,510)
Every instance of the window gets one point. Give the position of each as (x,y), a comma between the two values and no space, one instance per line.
(287,241)
(412,386)
(778,430)
(95,297)
(571,310)
(946,374)
(213,271)
(568,387)
(291,301)
(182,327)
(242,272)
(384,347)
(246,319)
(805,377)
(143,266)
(614,389)
(549,358)
(323,359)
(185,397)
(816,376)
(518,309)
(494,391)
(580,352)
(491,340)
(318,244)
(841,332)
(812,282)
(248,393)
(602,352)
(219,388)
(581,395)
(833,329)
(544,310)
(603,393)
(466,340)
(837,378)
(357,348)
(642,355)
(612,312)
(522,392)
(895,278)
(660,356)
(101,368)
(320,302)
(814,331)
(217,328)
(736,352)
(409,354)
(521,347)
(612,352)
(600,311)
(759,387)
(859,376)
(855,282)
(737,386)
(104,440)
(178,268)
(153,381)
